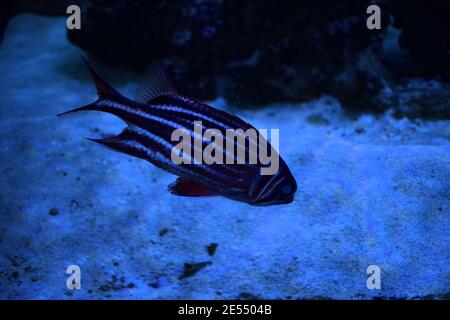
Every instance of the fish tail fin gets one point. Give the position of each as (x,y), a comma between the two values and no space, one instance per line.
(92,106)
(124,142)
(104,92)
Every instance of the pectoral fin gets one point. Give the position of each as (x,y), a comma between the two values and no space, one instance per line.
(190,188)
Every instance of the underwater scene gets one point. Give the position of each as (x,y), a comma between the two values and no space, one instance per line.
(121,177)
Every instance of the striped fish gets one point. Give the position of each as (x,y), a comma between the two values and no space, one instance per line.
(152,117)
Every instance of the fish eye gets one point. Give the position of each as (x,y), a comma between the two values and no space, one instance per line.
(286,189)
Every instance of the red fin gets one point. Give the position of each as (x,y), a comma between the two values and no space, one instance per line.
(91,106)
(119,143)
(156,83)
(190,188)
(104,90)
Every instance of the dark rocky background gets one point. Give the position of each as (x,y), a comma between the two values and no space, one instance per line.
(259,52)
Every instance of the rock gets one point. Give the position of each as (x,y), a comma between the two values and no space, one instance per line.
(317,119)
(190,269)
(48,7)
(185,31)
(211,248)
(45,7)
(9,9)
(366,85)
(425,36)
(53,212)
(262,52)
(254,53)
(247,296)
(424,99)
(163,232)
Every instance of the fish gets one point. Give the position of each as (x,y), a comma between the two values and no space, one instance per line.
(152,116)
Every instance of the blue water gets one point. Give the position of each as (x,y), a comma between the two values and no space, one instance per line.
(372,191)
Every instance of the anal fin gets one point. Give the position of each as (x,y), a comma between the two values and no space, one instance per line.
(190,188)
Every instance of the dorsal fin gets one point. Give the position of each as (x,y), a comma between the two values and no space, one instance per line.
(156,82)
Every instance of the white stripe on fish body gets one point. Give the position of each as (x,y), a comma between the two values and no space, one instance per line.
(162,161)
(123,107)
(177,125)
(161,141)
(156,139)
(173,125)
(169,147)
(189,112)
(205,107)
(202,117)
(270,186)
(187,100)
(156,158)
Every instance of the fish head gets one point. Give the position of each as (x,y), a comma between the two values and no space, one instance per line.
(275,190)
